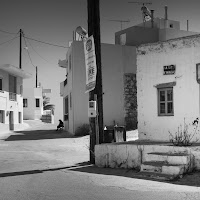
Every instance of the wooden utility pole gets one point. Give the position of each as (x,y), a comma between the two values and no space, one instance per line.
(36,81)
(20,48)
(94,29)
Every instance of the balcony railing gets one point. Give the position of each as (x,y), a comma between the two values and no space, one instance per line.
(12,96)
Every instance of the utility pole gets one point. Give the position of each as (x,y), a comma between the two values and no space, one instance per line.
(20,48)
(36,77)
(94,29)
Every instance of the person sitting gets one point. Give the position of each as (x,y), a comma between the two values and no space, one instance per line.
(60,125)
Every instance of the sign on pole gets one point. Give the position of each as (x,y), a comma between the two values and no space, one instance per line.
(90,64)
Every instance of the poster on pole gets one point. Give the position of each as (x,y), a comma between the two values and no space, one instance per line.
(90,64)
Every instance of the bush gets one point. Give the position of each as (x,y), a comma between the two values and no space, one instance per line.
(183,137)
(83,130)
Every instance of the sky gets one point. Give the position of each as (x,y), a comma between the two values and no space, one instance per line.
(53,21)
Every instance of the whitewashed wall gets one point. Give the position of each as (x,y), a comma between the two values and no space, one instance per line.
(185,54)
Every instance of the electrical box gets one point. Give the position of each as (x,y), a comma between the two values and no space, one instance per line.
(92,109)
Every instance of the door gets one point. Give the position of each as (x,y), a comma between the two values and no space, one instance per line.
(11,120)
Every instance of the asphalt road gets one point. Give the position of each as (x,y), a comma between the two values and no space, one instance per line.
(42,164)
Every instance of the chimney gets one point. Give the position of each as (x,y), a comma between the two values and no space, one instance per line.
(152,18)
(166,17)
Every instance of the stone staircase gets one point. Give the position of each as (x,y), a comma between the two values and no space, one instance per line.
(166,165)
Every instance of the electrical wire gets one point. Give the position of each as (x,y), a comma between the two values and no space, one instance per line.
(37,52)
(28,52)
(3,31)
(9,40)
(46,43)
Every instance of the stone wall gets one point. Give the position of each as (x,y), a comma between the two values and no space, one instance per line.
(130,101)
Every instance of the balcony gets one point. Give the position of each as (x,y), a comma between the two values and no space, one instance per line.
(12,96)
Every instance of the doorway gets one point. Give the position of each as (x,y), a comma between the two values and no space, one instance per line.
(11,120)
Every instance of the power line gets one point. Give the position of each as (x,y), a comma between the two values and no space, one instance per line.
(3,31)
(9,40)
(46,43)
(38,53)
(28,52)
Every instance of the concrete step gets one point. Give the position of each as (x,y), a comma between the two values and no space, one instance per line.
(156,176)
(170,158)
(163,167)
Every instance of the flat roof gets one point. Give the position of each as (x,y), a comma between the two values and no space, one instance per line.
(15,71)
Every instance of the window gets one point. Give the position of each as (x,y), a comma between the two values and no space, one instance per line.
(25,103)
(37,101)
(171,25)
(70,62)
(1,116)
(66,104)
(70,100)
(21,90)
(1,84)
(165,102)
(20,117)
(12,88)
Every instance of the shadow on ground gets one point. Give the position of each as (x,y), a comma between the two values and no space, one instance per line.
(192,179)
(38,135)
(27,172)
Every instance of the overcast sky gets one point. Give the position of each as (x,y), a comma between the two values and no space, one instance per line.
(53,21)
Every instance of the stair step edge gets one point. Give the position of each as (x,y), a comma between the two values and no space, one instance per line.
(168,154)
(160,163)
(156,175)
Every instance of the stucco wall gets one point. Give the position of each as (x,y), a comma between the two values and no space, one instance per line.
(185,54)
(116,60)
(171,33)
(31,112)
(138,35)
(79,97)
(8,105)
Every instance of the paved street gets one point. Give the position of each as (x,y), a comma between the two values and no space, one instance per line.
(40,163)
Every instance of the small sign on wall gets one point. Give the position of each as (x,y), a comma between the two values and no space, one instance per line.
(169,69)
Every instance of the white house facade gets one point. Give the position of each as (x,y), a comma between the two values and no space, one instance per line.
(11,99)
(33,103)
(118,73)
(168,90)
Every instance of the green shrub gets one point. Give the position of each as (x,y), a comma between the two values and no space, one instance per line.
(83,130)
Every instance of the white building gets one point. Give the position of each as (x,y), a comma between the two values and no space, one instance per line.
(168,89)
(118,73)
(33,103)
(11,100)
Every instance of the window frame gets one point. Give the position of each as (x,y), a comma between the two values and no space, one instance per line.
(2,113)
(25,105)
(166,101)
(66,108)
(37,105)
(1,85)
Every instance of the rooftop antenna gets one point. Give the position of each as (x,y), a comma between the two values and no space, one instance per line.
(120,21)
(146,13)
